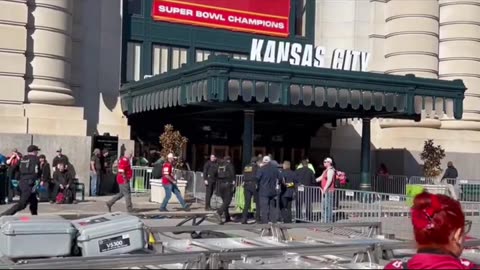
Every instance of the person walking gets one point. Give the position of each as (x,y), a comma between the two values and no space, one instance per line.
(209,172)
(29,172)
(268,179)
(124,176)
(226,186)
(250,190)
(170,185)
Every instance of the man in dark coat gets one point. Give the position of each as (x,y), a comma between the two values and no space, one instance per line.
(305,178)
(289,182)
(250,189)
(268,180)
(209,171)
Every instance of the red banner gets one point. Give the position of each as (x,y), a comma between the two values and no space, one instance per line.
(268,17)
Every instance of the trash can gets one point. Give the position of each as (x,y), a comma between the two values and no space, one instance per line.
(35,237)
(157,192)
(110,234)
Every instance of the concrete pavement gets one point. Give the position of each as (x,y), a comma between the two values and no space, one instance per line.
(96,206)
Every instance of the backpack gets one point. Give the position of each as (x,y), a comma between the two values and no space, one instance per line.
(60,199)
(222,172)
(341,178)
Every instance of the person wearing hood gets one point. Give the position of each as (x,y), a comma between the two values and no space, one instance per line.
(451,173)
(440,229)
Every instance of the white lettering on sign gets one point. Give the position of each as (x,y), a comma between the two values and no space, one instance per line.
(394,198)
(271,51)
(220,17)
(175,10)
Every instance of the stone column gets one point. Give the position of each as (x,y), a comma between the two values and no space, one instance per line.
(460,55)
(13,36)
(377,36)
(412,37)
(411,47)
(49,45)
(13,19)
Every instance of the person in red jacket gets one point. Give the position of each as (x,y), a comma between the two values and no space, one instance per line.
(124,176)
(440,228)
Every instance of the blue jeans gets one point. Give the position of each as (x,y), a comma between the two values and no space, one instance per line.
(93,184)
(169,188)
(327,207)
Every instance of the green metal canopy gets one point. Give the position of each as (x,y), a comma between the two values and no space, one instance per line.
(222,80)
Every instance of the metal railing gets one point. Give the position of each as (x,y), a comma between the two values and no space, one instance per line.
(395,184)
(141,179)
(387,203)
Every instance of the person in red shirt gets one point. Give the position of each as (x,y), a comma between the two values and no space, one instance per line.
(124,176)
(170,184)
(440,228)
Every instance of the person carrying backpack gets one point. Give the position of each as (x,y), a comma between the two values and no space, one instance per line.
(226,184)
(29,172)
(327,187)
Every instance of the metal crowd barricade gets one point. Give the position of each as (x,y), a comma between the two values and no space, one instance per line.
(141,179)
(469,189)
(394,184)
(354,206)
(421,180)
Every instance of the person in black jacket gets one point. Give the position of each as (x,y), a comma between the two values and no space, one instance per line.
(226,182)
(209,171)
(64,182)
(60,158)
(29,172)
(268,180)
(289,181)
(305,178)
(46,178)
(451,173)
(250,190)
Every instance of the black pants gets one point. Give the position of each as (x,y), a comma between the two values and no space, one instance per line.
(27,196)
(250,191)
(3,187)
(226,192)
(210,189)
(286,209)
(268,209)
(11,190)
